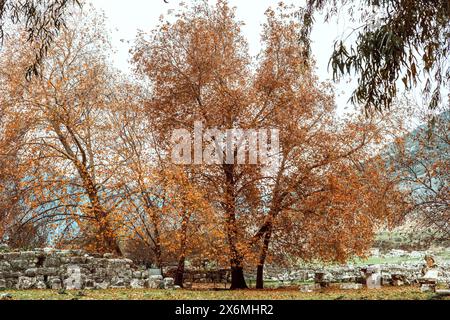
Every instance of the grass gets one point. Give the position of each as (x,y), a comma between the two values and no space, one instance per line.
(388,293)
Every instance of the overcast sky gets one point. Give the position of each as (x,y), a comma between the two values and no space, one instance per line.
(125,18)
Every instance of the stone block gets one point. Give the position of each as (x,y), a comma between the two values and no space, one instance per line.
(40,285)
(428,287)
(26,283)
(52,262)
(56,284)
(351,286)
(168,283)
(2,284)
(32,272)
(155,282)
(307,288)
(137,284)
(102,285)
(74,281)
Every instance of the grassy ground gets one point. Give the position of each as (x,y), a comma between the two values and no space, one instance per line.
(392,293)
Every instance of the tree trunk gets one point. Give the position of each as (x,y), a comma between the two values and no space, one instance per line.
(179,275)
(237,278)
(108,242)
(260,276)
(262,260)
(183,247)
(236,258)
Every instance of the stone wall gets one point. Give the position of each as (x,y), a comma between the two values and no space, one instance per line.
(392,274)
(73,270)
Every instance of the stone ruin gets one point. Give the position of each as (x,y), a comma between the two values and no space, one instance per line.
(349,277)
(74,270)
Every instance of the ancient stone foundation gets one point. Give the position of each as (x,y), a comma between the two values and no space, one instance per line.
(390,274)
(73,270)
(76,270)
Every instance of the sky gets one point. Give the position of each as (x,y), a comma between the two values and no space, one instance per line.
(125,18)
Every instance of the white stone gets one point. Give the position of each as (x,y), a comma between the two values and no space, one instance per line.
(25,283)
(48,250)
(307,288)
(373,281)
(74,281)
(431,274)
(155,282)
(56,284)
(154,272)
(351,286)
(2,284)
(416,254)
(6,296)
(137,284)
(102,285)
(427,287)
(168,283)
(40,285)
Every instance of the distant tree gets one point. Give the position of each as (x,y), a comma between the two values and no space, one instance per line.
(42,20)
(422,161)
(405,40)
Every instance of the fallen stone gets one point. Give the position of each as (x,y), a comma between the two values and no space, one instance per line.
(428,287)
(6,296)
(351,286)
(443,292)
(431,275)
(137,284)
(2,284)
(307,288)
(102,285)
(168,283)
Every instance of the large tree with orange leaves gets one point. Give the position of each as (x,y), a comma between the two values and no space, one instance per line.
(200,70)
(63,158)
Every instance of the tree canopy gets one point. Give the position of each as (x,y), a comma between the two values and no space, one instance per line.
(396,40)
(42,20)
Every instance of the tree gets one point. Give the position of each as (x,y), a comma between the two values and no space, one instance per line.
(397,40)
(63,157)
(162,209)
(42,20)
(328,181)
(199,70)
(11,136)
(421,162)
